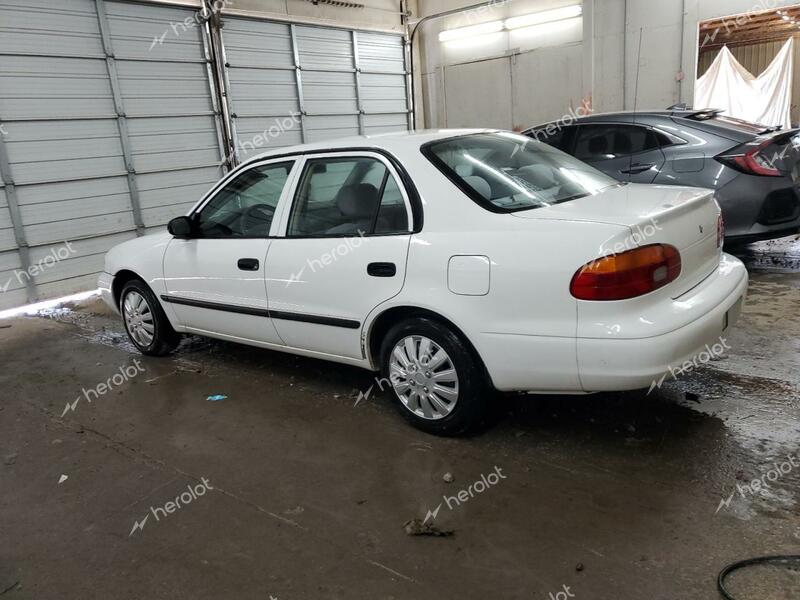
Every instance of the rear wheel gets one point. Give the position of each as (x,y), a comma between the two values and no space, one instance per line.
(145,322)
(438,382)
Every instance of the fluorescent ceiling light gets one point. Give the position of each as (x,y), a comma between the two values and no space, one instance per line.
(538,18)
(472,30)
(547,16)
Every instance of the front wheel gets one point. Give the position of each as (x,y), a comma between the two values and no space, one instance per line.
(438,382)
(145,322)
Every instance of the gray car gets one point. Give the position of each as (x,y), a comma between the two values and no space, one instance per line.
(755,170)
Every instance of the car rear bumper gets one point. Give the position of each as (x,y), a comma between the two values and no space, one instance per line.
(105,283)
(628,364)
(759,208)
(764,233)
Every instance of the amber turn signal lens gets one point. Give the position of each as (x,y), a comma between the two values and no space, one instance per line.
(627,275)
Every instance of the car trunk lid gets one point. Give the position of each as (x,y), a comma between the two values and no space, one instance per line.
(686,218)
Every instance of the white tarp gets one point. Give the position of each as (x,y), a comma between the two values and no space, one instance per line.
(766,99)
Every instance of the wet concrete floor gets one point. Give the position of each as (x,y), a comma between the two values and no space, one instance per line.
(288,489)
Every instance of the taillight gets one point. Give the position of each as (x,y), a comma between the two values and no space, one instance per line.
(627,275)
(749,159)
(720,231)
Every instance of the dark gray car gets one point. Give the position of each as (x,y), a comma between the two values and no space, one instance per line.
(755,170)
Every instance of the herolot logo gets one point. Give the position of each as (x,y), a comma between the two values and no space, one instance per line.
(478,487)
(187,497)
(125,374)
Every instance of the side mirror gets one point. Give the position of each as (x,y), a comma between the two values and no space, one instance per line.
(181,227)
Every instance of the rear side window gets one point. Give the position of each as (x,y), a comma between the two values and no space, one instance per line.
(506,172)
(666,140)
(347,197)
(607,142)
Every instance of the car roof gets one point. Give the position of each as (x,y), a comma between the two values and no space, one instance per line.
(391,142)
(641,116)
(622,116)
(698,120)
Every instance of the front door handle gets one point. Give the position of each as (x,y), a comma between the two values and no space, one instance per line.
(637,168)
(248,264)
(382,269)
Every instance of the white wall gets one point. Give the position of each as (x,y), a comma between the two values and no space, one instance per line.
(503,73)
(611,32)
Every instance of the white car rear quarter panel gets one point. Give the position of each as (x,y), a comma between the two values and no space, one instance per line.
(524,327)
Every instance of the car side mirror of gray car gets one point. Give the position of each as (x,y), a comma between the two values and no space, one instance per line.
(181,227)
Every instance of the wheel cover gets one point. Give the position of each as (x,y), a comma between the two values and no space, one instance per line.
(424,377)
(138,318)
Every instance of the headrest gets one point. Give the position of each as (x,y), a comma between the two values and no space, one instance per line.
(464,170)
(480,185)
(541,176)
(358,201)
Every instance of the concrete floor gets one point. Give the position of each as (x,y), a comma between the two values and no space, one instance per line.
(299,494)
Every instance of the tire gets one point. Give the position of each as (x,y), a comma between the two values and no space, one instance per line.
(425,393)
(142,314)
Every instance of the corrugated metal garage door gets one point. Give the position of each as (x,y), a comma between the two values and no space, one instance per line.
(294,83)
(172,115)
(110,123)
(104,135)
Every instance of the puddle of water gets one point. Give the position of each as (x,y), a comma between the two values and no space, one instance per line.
(778,256)
(108,337)
(762,414)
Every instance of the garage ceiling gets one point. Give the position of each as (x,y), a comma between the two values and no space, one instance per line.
(750,28)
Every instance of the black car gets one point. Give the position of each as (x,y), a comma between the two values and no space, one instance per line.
(754,169)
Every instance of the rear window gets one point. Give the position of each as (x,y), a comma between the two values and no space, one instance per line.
(506,172)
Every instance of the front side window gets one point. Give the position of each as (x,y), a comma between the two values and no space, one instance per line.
(244,208)
(506,172)
(556,136)
(607,142)
(347,196)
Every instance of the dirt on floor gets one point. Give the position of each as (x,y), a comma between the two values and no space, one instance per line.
(228,472)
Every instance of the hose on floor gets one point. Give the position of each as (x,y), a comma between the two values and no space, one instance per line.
(761,560)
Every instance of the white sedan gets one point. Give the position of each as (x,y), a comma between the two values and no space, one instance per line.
(455,262)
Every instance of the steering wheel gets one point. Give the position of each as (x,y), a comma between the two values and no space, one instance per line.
(257,219)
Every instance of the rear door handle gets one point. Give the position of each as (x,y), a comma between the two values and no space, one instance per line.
(636,169)
(248,264)
(382,269)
